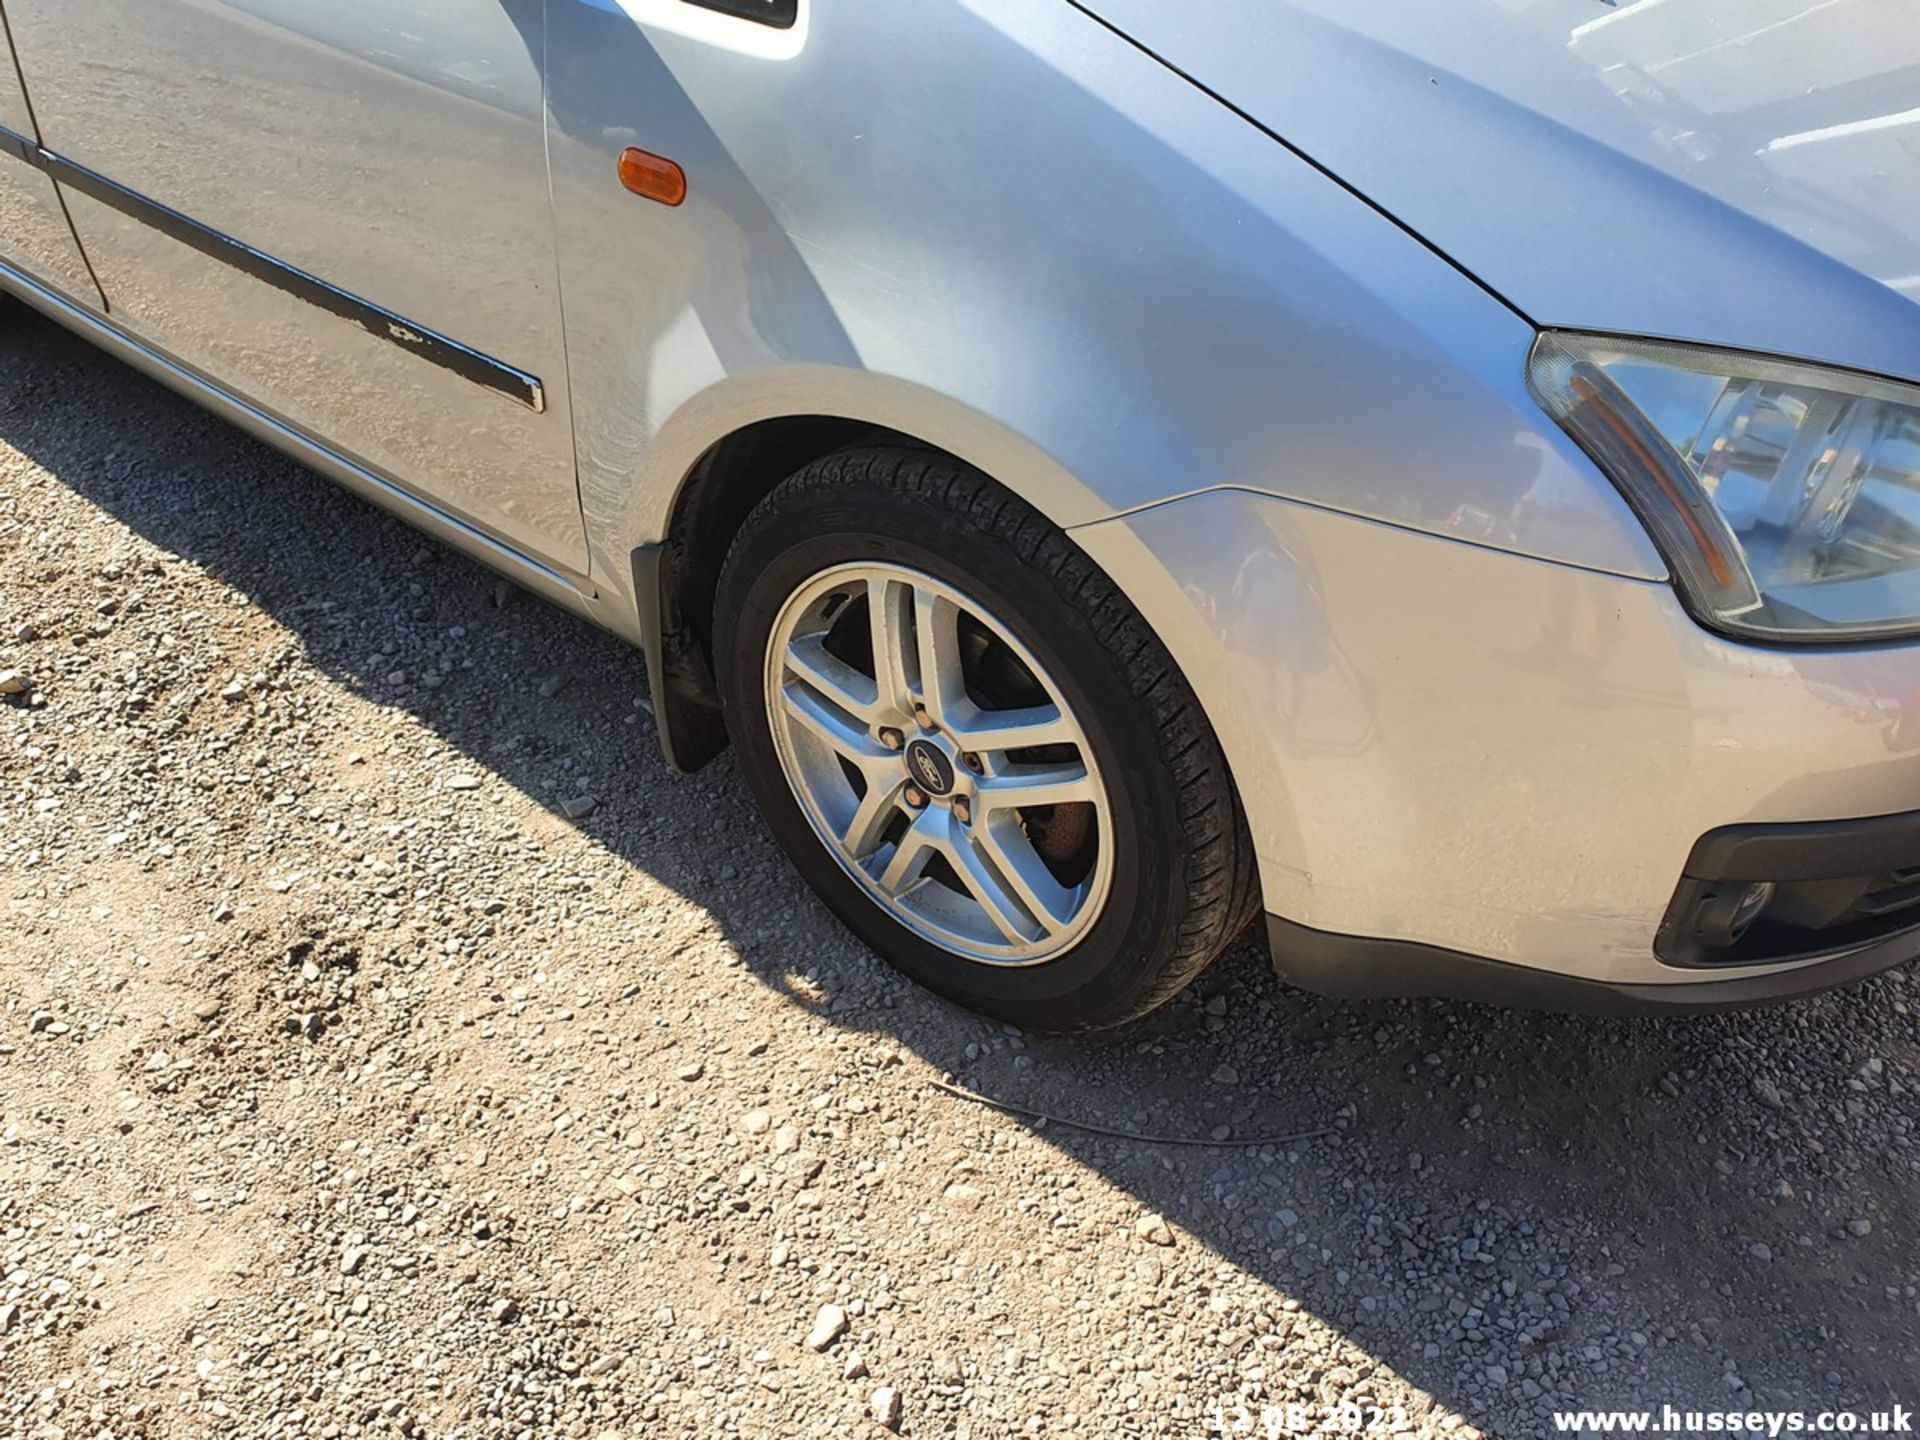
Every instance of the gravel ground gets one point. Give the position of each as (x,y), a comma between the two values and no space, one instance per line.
(391,1044)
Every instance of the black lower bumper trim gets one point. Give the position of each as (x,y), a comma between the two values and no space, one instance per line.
(1813,850)
(1838,886)
(1355,967)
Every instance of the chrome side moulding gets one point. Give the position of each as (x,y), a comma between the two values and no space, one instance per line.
(20,148)
(428,344)
(571,593)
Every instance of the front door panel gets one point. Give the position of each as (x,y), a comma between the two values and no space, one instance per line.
(34,236)
(339,211)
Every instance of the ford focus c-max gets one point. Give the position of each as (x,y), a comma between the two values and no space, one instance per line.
(1444,478)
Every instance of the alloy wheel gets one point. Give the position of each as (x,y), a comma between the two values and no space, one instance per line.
(939,763)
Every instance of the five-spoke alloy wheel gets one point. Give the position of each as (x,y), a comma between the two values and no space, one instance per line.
(971,745)
(978,825)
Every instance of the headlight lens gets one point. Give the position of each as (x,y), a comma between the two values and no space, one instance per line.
(1785,497)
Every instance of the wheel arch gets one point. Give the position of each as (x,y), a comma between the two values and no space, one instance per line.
(724,447)
(675,577)
(708,498)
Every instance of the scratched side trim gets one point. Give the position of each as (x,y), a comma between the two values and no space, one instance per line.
(430,345)
(19,147)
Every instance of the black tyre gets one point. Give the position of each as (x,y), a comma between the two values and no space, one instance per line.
(972,746)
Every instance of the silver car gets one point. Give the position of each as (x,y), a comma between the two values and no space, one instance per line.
(1444,477)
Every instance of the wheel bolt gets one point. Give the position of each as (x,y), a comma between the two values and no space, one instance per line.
(892,738)
(913,797)
(963,809)
(922,718)
(974,763)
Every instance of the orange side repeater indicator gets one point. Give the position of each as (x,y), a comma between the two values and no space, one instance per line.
(653,176)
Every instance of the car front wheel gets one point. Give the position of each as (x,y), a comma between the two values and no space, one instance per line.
(971,745)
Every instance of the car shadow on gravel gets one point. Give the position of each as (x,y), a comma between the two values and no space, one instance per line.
(1516,1213)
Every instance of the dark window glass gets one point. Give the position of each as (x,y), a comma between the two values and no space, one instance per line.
(777,13)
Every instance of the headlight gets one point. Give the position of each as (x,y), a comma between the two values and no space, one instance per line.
(1786,498)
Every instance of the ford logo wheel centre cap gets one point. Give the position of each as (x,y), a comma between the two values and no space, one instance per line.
(929,767)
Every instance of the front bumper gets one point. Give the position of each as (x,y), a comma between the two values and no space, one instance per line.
(1848,941)
(1458,762)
